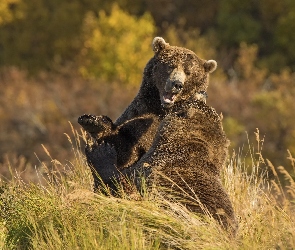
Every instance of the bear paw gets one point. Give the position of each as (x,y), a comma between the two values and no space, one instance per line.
(95,124)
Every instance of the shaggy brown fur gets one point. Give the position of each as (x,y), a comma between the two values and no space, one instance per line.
(172,76)
(189,147)
(186,157)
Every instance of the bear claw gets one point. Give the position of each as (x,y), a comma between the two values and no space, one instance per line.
(95,124)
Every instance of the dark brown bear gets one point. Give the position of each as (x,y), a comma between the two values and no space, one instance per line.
(173,75)
(186,157)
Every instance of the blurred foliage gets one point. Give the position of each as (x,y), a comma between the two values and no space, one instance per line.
(116,46)
(267,23)
(40,34)
(6,15)
(60,59)
(191,39)
(273,112)
(254,98)
(237,21)
(43,34)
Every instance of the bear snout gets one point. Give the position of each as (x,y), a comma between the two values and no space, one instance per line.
(177,86)
(175,81)
(174,86)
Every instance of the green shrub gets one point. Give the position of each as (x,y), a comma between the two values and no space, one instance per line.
(117,46)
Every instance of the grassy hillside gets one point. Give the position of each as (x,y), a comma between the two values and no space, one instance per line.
(62,212)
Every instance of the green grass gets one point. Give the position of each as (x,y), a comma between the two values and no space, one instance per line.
(62,212)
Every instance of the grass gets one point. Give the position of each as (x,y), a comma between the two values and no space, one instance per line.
(62,212)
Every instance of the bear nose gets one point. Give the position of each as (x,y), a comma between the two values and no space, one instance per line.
(177,86)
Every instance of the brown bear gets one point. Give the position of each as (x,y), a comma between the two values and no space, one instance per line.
(187,154)
(173,75)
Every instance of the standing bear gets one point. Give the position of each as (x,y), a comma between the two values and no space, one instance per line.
(172,76)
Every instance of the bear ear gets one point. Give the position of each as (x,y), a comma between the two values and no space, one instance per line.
(210,66)
(158,44)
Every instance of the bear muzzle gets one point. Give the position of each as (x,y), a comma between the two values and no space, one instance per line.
(175,81)
(172,90)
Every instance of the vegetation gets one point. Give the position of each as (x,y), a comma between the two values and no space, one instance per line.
(64,213)
(116,47)
(57,52)
(60,59)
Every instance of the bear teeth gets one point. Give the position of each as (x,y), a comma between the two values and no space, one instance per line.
(168,97)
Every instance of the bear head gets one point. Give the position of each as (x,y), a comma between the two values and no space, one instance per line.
(179,73)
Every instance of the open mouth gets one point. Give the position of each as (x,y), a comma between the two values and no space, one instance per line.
(168,99)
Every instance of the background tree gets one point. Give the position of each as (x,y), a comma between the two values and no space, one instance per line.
(116,46)
(6,7)
(46,35)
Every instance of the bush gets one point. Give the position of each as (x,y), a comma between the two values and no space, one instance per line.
(117,46)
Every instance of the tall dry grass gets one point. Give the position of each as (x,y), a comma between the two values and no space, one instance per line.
(36,110)
(62,212)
